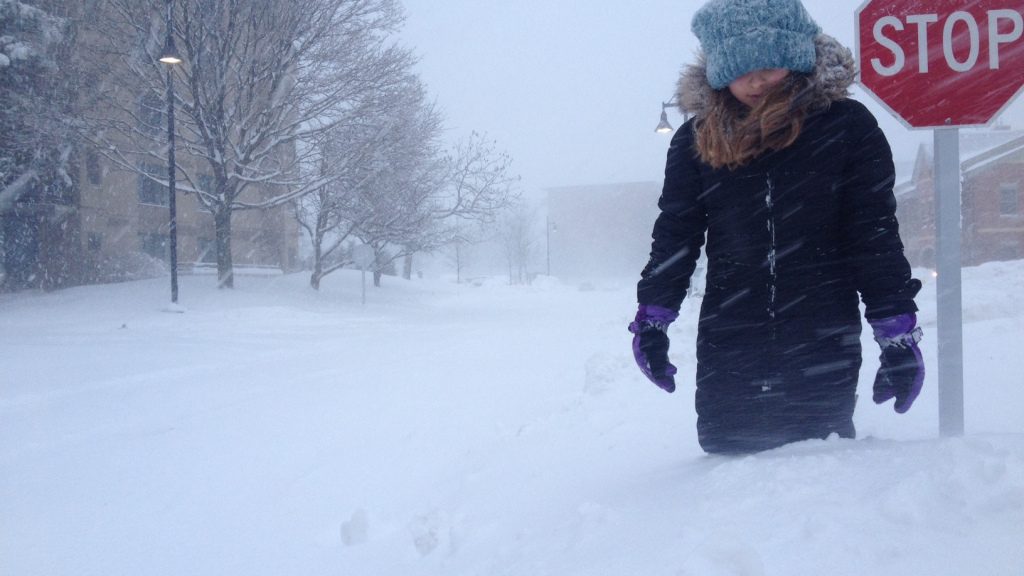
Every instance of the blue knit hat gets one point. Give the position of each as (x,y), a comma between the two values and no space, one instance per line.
(740,36)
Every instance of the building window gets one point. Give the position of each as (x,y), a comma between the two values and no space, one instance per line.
(1009,200)
(150,191)
(91,11)
(207,250)
(152,118)
(156,245)
(206,185)
(93,169)
(95,242)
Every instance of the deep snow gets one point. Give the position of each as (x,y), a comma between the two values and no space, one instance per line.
(458,430)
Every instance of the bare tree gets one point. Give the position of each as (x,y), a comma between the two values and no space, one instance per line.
(479,185)
(517,234)
(322,214)
(332,213)
(432,200)
(381,179)
(447,198)
(395,190)
(398,200)
(261,82)
(478,182)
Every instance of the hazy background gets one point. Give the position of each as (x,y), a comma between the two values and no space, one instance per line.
(573,90)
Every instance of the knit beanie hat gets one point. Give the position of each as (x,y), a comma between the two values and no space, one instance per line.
(740,36)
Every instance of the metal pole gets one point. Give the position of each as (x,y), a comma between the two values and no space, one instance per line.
(172,197)
(949,296)
(171,191)
(547,242)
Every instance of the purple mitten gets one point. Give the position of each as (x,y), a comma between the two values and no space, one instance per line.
(650,344)
(901,373)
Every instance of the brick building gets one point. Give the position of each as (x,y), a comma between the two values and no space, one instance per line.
(105,224)
(992,178)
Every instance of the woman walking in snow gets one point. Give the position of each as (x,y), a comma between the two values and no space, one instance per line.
(791,182)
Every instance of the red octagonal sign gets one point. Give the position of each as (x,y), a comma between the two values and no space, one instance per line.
(938,63)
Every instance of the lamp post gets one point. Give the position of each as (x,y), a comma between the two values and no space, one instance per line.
(663,126)
(170,57)
(549,227)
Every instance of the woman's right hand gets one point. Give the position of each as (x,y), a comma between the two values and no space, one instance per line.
(650,345)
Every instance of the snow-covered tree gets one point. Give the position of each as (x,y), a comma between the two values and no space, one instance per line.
(428,199)
(478,187)
(323,215)
(379,172)
(260,83)
(391,186)
(397,197)
(329,214)
(437,198)
(35,146)
(405,195)
(479,182)
(516,231)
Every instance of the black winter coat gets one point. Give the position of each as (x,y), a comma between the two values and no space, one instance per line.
(792,238)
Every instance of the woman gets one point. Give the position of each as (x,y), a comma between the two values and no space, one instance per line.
(791,182)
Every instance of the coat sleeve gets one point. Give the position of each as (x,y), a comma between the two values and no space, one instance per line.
(679,230)
(873,246)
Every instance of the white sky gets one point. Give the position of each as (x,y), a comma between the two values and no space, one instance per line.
(573,90)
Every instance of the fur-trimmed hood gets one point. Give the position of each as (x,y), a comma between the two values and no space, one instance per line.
(834,73)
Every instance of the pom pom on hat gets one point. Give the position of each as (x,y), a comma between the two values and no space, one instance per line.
(740,36)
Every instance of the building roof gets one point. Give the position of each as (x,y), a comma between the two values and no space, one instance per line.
(978,148)
(979,141)
(994,154)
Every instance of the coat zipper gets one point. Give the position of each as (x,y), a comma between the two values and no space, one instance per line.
(769,202)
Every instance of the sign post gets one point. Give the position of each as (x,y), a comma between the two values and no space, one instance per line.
(942,64)
(948,284)
(364,256)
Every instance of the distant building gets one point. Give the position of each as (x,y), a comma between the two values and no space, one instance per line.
(601,231)
(107,224)
(604,230)
(992,174)
(123,222)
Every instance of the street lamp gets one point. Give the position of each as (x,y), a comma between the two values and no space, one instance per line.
(663,126)
(550,227)
(170,57)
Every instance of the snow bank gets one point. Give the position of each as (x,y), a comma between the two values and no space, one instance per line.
(465,430)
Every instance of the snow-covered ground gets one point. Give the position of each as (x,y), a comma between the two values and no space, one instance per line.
(460,430)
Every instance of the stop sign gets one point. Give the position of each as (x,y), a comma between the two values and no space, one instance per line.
(942,62)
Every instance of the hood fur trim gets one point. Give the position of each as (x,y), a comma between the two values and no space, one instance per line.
(834,72)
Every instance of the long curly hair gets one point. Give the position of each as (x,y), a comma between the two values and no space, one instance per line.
(730,134)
